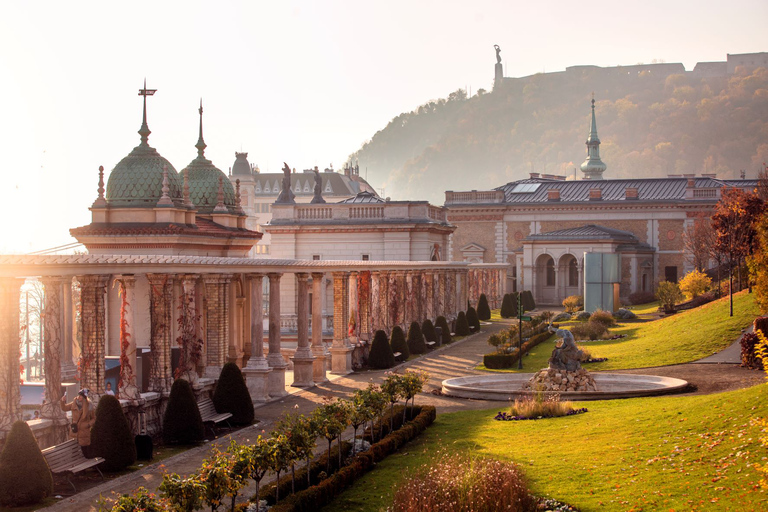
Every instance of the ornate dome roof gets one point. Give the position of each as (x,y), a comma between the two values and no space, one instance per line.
(241,167)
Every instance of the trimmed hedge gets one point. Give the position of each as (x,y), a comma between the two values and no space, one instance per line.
(381,356)
(416,343)
(111,436)
(428,330)
(398,343)
(232,396)
(473,320)
(326,491)
(462,326)
(528,303)
(24,475)
(483,310)
(442,323)
(509,306)
(182,422)
(496,361)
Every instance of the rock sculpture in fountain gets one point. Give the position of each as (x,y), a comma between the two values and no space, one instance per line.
(564,372)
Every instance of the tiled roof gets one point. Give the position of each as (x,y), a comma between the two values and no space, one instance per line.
(203,227)
(588,232)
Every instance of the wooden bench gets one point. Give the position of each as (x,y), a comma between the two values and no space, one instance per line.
(431,343)
(209,414)
(68,458)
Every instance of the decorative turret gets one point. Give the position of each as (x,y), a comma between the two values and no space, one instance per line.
(593,167)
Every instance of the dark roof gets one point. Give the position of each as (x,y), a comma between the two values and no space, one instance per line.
(203,227)
(363,197)
(648,189)
(588,232)
(341,185)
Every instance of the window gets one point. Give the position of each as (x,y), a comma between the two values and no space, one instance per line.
(315,257)
(550,272)
(365,257)
(670,274)
(573,272)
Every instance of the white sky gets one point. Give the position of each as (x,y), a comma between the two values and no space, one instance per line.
(303,82)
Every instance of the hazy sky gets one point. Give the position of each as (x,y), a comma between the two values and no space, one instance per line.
(303,82)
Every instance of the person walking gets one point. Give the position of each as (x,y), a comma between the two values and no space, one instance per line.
(83,418)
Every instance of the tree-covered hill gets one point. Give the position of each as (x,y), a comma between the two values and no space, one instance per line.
(650,126)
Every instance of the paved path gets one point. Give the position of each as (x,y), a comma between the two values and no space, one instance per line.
(454,360)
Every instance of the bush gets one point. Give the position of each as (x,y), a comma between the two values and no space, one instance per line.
(749,358)
(232,396)
(641,298)
(589,331)
(428,330)
(398,343)
(483,310)
(442,323)
(416,344)
(24,475)
(695,283)
(111,436)
(624,314)
(603,317)
(761,324)
(528,303)
(537,406)
(562,317)
(472,320)
(498,361)
(573,303)
(669,294)
(381,355)
(583,316)
(182,423)
(509,306)
(462,326)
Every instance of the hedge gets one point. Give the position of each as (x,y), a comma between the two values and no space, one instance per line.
(442,323)
(381,355)
(528,303)
(416,344)
(462,326)
(182,422)
(398,343)
(24,475)
(111,436)
(509,306)
(483,310)
(232,395)
(496,361)
(473,320)
(428,330)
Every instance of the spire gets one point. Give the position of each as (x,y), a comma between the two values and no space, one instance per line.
(593,130)
(165,199)
(220,208)
(200,142)
(144,130)
(100,201)
(593,167)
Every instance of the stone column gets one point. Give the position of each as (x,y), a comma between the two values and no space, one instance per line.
(384,319)
(318,349)
(52,345)
(464,286)
(441,302)
(375,320)
(410,301)
(303,360)
(161,329)
(216,322)
(341,360)
(401,289)
(354,305)
(429,302)
(257,370)
(191,349)
(450,294)
(275,357)
(419,296)
(92,323)
(68,366)
(10,404)
(236,339)
(127,388)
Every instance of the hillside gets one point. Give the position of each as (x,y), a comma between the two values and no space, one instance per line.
(649,126)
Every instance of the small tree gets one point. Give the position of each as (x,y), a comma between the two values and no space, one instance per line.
(376,402)
(183,494)
(669,294)
(445,331)
(331,420)
(393,391)
(472,320)
(182,422)
(399,344)
(483,310)
(359,413)
(282,457)
(260,455)
(219,480)
(412,383)
(496,340)
(232,396)
(298,430)
(24,475)
(111,436)
(695,283)
(381,355)
(428,330)
(416,343)
(462,327)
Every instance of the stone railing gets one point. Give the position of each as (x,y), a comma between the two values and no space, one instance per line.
(290,323)
(397,211)
(706,193)
(313,213)
(436,213)
(474,197)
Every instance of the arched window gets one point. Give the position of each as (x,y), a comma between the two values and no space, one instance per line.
(550,272)
(573,272)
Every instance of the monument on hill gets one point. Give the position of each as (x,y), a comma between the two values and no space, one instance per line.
(499,75)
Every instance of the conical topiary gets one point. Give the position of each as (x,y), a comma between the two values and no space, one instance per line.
(232,395)
(111,436)
(24,475)
(380,356)
(528,303)
(483,310)
(416,344)
(428,330)
(442,323)
(462,327)
(398,343)
(472,320)
(507,311)
(182,423)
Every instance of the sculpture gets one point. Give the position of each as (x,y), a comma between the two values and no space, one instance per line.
(318,198)
(567,356)
(498,53)
(286,194)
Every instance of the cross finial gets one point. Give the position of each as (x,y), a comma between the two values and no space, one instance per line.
(144,130)
(200,142)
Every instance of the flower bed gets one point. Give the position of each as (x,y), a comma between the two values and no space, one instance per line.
(503,416)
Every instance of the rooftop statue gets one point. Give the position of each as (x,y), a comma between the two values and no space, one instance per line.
(318,198)
(286,194)
(498,53)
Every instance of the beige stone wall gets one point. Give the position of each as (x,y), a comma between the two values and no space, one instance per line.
(480,232)
(668,260)
(639,228)
(516,232)
(626,276)
(671,235)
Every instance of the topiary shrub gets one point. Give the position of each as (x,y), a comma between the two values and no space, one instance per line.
(483,310)
(398,343)
(416,344)
(442,323)
(111,436)
(462,326)
(528,303)
(428,330)
(603,317)
(508,310)
(381,355)
(24,475)
(472,320)
(232,396)
(182,423)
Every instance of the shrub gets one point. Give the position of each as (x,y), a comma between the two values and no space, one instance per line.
(398,343)
(111,435)
(24,475)
(562,317)
(624,314)
(583,316)
(462,326)
(669,294)
(528,303)
(472,320)
(483,310)
(589,331)
(761,324)
(442,323)
(509,306)
(603,317)
(537,406)
(498,361)
(381,355)
(416,344)
(232,396)
(573,303)
(695,283)
(428,330)
(182,422)
(749,357)
(641,298)
(465,483)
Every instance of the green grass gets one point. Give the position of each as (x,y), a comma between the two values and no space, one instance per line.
(680,338)
(645,309)
(660,453)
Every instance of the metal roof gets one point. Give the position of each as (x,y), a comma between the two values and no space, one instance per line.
(587,232)
(363,197)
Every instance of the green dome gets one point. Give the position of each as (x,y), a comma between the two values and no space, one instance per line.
(137,180)
(204,186)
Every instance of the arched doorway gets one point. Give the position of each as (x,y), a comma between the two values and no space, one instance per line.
(569,277)
(546,280)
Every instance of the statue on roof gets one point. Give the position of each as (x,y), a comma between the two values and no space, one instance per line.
(498,53)
(286,194)
(318,188)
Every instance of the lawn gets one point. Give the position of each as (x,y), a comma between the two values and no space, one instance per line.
(661,453)
(680,338)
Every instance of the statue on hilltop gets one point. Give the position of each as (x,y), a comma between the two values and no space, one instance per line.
(498,53)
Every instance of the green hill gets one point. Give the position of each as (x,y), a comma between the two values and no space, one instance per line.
(649,125)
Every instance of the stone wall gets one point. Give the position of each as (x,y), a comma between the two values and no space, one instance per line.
(479,232)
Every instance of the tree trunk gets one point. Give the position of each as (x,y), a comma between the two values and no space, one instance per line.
(277,488)
(328,466)
(309,471)
(293,478)
(730,284)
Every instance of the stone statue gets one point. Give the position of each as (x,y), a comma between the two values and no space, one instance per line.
(286,194)
(498,54)
(567,356)
(318,188)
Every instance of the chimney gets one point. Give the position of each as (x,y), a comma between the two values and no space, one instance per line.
(595,194)
(630,194)
(535,175)
(691,180)
(553,194)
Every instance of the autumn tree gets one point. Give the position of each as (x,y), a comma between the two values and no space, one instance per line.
(699,240)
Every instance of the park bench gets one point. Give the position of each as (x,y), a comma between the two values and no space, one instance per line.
(68,458)
(210,416)
(431,344)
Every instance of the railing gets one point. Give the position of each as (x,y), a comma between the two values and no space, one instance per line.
(706,193)
(366,212)
(315,212)
(290,323)
(437,214)
(474,196)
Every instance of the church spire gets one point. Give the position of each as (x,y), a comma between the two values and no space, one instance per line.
(200,142)
(144,130)
(593,167)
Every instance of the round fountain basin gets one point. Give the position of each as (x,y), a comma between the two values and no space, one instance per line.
(508,386)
